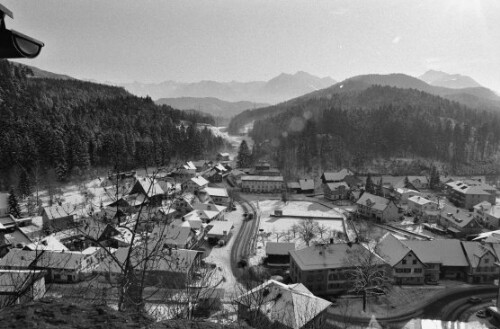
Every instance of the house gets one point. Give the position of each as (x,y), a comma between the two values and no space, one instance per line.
(21,286)
(419,261)
(178,234)
(467,193)
(482,259)
(336,177)
(201,165)
(407,268)
(420,205)
(278,253)
(219,230)
(306,185)
(458,221)
(4,204)
(263,168)
(235,176)
(223,157)
(419,182)
(214,176)
(185,203)
(60,266)
(276,305)
(149,188)
(443,258)
(194,184)
(58,217)
(218,195)
(209,211)
(488,214)
(293,187)
(377,207)
(324,269)
(262,184)
(336,191)
(169,268)
(403,194)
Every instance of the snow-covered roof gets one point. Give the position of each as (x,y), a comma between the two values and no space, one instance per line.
(291,306)
(216,191)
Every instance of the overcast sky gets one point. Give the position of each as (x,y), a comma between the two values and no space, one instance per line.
(152,41)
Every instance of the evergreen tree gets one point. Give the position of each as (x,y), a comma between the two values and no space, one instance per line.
(24,184)
(14,208)
(434,181)
(369,187)
(380,187)
(244,155)
(407,182)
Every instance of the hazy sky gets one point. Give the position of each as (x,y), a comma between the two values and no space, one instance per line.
(151,41)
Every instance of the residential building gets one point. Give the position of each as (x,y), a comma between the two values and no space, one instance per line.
(148,188)
(276,305)
(458,221)
(306,185)
(179,234)
(219,230)
(194,184)
(403,194)
(377,207)
(218,195)
(467,193)
(21,286)
(235,176)
(419,182)
(278,253)
(324,269)
(407,268)
(223,157)
(201,165)
(336,191)
(421,205)
(482,259)
(185,203)
(169,268)
(60,266)
(58,217)
(262,184)
(336,177)
(488,215)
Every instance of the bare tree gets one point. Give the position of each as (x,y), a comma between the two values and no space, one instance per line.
(295,229)
(366,271)
(308,229)
(322,229)
(278,234)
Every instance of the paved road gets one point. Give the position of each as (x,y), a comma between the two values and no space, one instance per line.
(446,305)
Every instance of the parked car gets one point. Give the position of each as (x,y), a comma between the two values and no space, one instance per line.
(474,300)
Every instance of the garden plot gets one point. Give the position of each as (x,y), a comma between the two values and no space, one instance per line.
(287,227)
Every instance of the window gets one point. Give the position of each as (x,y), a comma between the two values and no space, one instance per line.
(486,260)
(403,262)
(399,270)
(417,270)
(407,270)
(414,262)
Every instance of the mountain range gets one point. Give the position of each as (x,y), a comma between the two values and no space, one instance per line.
(472,97)
(278,89)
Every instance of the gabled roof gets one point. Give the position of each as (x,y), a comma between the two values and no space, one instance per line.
(279,248)
(336,176)
(216,191)
(200,181)
(391,249)
(474,251)
(176,233)
(189,166)
(219,227)
(447,252)
(373,201)
(291,306)
(194,219)
(419,200)
(423,179)
(149,186)
(60,211)
(43,259)
(306,184)
(293,185)
(335,186)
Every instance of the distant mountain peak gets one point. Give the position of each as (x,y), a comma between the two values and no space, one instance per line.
(443,79)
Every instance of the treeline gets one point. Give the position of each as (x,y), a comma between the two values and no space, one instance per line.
(68,126)
(380,122)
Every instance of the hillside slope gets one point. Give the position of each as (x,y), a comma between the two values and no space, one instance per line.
(210,105)
(453,81)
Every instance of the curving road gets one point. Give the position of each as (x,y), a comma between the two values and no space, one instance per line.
(447,305)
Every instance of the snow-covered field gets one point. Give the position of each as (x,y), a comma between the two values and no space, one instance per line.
(278,229)
(235,140)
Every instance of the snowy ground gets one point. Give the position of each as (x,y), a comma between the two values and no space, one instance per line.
(275,229)
(235,140)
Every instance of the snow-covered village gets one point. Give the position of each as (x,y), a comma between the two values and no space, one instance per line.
(286,201)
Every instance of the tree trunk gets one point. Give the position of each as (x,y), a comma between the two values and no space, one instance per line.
(364,301)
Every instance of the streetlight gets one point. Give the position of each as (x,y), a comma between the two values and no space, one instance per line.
(15,44)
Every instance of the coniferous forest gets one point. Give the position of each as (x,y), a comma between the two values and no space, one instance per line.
(351,130)
(65,127)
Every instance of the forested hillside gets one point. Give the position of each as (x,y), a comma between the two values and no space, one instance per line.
(69,126)
(353,128)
